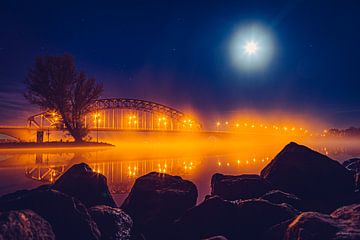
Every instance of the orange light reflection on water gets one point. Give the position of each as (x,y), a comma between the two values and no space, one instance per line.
(194,157)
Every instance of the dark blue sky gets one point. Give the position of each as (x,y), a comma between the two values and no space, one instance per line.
(177,53)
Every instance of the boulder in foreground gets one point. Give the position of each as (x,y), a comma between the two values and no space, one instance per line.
(216,238)
(24,224)
(322,183)
(278,197)
(68,217)
(113,223)
(156,200)
(344,223)
(352,164)
(244,186)
(213,217)
(247,219)
(89,187)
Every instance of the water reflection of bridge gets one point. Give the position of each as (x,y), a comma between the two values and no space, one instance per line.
(120,174)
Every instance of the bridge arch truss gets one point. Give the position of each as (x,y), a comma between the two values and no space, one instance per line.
(125,114)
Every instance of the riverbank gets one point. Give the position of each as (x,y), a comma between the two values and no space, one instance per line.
(34,145)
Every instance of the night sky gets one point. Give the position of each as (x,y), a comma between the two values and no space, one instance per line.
(178,53)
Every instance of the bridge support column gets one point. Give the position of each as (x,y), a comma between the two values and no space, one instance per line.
(39,136)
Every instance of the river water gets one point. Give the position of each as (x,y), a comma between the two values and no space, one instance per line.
(122,164)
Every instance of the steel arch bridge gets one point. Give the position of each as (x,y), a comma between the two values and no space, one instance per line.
(124,114)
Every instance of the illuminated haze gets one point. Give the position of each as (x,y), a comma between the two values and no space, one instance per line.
(180,55)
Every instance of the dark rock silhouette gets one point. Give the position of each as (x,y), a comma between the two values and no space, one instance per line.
(244,186)
(323,184)
(277,232)
(214,216)
(278,197)
(24,224)
(156,200)
(352,164)
(247,219)
(89,187)
(68,217)
(344,223)
(112,222)
(312,225)
(256,216)
(216,238)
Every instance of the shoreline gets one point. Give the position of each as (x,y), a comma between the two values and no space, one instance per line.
(50,145)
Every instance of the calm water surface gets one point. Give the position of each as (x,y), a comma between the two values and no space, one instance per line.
(24,168)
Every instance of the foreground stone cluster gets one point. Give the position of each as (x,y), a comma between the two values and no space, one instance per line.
(300,195)
(77,206)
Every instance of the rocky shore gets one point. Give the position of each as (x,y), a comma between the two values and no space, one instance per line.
(300,195)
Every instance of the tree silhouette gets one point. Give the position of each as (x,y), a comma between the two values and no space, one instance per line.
(54,84)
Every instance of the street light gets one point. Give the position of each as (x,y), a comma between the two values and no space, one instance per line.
(132,122)
(217,126)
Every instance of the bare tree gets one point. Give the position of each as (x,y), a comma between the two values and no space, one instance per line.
(54,83)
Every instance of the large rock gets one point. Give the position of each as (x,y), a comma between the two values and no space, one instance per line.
(89,187)
(312,225)
(256,216)
(68,217)
(112,222)
(156,200)
(344,224)
(216,238)
(247,219)
(277,232)
(323,184)
(24,224)
(244,186)
(278,197)
(213,217)
(352,164)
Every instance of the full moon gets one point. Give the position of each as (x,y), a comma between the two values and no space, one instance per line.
(251,47)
